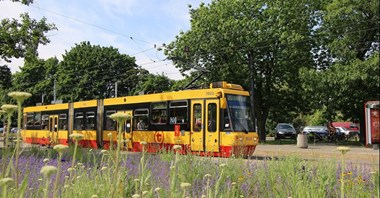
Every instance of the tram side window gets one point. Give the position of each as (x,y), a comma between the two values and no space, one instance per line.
(62,124)
(110,124)
(197,113)
(178,112)
(33,120)
(141,119)
(211,125)
(90,118)
(45,122)
(29,119)
(78,121)
(226,121)
(159,113)
(37,119)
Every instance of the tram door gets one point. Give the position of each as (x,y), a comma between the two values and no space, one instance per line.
(53,129)
(197,125)
(205,125)
(212,126)
(127,129)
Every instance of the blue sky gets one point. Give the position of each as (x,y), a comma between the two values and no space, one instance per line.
(132,26)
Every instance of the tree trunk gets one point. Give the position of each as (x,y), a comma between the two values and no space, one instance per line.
(252,87)
(261,121)
(261,112)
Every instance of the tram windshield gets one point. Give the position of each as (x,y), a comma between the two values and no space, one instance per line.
(239,113)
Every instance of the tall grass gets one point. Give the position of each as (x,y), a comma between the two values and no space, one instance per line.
(171,175)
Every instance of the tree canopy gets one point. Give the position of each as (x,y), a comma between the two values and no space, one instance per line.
(258,44)
(5,77)
(20,39)
(90,71)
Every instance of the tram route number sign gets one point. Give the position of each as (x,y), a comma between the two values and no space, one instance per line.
(177,130)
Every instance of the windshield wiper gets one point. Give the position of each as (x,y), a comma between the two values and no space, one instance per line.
(245,130)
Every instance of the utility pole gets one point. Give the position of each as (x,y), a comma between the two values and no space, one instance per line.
(116,89)
(55,91)
(42,98)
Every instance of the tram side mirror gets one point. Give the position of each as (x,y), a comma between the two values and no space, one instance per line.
(223,103)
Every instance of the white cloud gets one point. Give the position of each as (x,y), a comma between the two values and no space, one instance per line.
(116,7)
(11,10)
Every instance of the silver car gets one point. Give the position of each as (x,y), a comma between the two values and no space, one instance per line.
(319,130)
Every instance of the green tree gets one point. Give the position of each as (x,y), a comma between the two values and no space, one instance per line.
(350,29)
(154,84)
(5,77)
(90,71)
(348,74)
(258,44)
(37,77)
(5,83)
(20,39)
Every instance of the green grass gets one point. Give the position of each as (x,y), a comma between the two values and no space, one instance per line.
(161,175)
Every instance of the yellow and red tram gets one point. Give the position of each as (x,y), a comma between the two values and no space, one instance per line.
(215,121)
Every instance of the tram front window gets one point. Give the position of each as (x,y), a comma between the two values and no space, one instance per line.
(239,113)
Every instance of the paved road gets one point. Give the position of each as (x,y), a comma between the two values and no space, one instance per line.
(357,154)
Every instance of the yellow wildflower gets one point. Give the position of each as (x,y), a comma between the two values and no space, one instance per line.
(77,136)
(60,147)
(19,96)
(9,108)
(120,117)
(5,181)
(343,149)
(48,170)
(185,185)
(177,147)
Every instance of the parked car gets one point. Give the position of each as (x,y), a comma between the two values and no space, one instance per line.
(285,130)
(14,130)
(322,131)
(347,125)
(346,132)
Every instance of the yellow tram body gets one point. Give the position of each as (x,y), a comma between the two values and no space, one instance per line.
(215,121)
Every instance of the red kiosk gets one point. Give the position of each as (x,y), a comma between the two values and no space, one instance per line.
(372,123)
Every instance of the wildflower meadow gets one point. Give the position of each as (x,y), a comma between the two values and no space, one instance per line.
(51,173)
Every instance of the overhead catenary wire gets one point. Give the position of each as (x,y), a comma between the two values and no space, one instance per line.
(132,38)
(90,24)
(243,48)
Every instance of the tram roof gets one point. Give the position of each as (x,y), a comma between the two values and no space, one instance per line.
(174,95)
(156,97)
